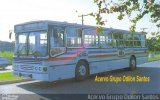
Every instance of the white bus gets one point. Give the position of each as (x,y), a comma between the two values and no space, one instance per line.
(50,50)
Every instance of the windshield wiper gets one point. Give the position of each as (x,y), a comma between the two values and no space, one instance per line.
(36,54)
(19,50)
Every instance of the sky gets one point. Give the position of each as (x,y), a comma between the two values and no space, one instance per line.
(13,12)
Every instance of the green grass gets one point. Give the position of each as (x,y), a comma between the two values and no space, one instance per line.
(7,54)
(156,57)
(7,76)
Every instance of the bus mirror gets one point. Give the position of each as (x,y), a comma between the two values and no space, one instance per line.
(10,34)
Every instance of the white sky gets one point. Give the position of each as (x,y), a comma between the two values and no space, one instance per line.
(18,11)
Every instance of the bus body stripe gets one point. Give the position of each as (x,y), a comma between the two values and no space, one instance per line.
(135,53)
(97,56)
(94,56)
(109,55)
(63,58)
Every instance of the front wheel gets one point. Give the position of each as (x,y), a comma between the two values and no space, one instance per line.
(81,71)
(132,63)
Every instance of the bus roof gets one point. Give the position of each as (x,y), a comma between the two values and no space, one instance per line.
(65,24)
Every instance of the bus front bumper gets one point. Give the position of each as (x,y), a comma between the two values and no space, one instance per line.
(36,76)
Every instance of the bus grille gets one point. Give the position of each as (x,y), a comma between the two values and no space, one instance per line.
(27,67)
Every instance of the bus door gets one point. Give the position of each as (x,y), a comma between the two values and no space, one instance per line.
(57,41)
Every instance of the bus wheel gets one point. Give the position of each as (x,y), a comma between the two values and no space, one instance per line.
(81,71)
(132,63)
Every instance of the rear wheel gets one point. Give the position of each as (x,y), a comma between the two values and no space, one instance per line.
(81,71)
(132,63)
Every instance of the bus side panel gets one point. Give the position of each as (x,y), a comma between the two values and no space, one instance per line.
(108,65)
(61,72)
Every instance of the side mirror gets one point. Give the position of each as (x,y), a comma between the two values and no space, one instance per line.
(10,34)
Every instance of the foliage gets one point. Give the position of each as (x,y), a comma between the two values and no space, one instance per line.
(128,8)
(153,43)
(153,52)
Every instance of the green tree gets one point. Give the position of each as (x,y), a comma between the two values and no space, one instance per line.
(128,8)
(153,43)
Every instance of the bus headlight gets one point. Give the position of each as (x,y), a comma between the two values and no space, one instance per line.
(36,68)
(44,69)
(41,69)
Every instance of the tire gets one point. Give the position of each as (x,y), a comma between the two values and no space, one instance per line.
(82,71)
(132,63)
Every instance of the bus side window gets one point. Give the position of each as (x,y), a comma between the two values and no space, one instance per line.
(143,40)
(90,38)
(119,39)
(124,40)
(115,39)
(111,40)
(129,40)
(74,37)
(136,40)
(43,39)
(102,41)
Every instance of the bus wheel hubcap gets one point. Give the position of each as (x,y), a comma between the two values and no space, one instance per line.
(133,63)
(82,70)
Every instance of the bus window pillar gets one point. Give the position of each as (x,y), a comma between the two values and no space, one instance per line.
(37,41)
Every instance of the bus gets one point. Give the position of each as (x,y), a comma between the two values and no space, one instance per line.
(51,50)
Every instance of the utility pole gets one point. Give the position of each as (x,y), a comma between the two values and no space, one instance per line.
(82,16)
(143,30)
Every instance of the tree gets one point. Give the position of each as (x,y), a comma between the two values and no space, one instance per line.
(128,8)
(153,43)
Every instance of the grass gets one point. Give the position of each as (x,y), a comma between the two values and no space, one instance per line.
(7,76)
(8,55)
(156,55)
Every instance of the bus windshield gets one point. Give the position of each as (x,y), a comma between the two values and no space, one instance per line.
(31,43)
